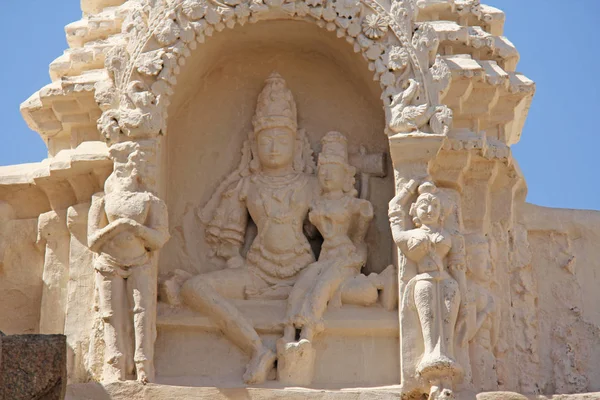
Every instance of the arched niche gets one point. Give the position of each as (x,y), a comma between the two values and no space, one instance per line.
(211,111)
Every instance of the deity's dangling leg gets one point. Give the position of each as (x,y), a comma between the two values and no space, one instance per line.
(200,292)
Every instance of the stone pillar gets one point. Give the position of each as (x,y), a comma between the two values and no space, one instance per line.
(411,156)
(80,294)
(476,197)
(502,196)
(54,239)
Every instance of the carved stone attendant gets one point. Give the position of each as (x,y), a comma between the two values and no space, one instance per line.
(126,224)
(432,297)
(484,327)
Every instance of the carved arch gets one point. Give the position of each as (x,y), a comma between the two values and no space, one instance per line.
(159,35)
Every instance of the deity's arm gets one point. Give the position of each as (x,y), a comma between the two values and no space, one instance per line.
(363,213)
(485,313)
(99,230)
(156,231)
(226,231)
(309,225)
(97,222)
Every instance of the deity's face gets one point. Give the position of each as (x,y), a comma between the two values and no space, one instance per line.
(480,265)
(332,176)
(429,210)
(128,176)
(275,147)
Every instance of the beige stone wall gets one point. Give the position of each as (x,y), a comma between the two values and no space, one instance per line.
(564,245)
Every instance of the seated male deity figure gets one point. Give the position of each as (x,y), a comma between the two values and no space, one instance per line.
(275,186)
(276,190)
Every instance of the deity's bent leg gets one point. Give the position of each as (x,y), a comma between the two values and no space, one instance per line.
(114,312)
(206,293)
(302,288)
(316,302)
(142,284)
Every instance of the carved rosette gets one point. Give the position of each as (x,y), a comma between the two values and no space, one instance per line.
(160,37)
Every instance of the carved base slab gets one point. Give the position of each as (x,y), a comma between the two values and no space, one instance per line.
(362,340)
(135,391)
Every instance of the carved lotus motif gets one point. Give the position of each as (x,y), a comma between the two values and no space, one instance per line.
(375,26)
(167,32)
(194,9)
(347,8)
(396,58)
(242,11)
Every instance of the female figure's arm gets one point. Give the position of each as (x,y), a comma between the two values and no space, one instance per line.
(363,213)
(398,214)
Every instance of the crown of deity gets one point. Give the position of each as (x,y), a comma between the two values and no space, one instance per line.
(276,106)
(334,149)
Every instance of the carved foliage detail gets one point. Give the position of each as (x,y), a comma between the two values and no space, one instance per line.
(160,35)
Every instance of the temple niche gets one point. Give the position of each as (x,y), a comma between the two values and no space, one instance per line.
(334,91)
(295,199)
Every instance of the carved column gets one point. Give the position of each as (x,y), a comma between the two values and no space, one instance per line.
(502,196)
(80,288)
(54,238)
(476,197)
(80,294)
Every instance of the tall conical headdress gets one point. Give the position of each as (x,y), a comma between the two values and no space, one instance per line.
(276,106)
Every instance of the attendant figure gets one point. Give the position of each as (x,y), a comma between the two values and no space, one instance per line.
(432,297)
(484,332)
(126,224)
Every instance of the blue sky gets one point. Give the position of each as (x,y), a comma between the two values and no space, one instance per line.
(558,153)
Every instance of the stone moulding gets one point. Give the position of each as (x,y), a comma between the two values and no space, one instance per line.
(160,38)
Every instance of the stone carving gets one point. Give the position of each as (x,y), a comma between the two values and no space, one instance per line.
(432,294)
(342,220)
(484,329)
(544,302)
(52,237)
(276,190)
(135,98)
(126,225)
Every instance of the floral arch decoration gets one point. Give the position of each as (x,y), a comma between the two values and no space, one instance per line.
(160,34)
